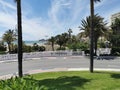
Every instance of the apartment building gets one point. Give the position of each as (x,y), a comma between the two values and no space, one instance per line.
(114,16)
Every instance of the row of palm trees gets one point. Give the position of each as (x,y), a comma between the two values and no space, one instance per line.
(89,30)
(61,39)
(19,25)
(100,29)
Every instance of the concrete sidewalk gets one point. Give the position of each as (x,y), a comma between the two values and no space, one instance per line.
(4,77)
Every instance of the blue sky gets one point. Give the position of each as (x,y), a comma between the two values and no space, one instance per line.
(43,18)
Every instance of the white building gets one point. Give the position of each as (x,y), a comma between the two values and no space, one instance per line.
(114,16)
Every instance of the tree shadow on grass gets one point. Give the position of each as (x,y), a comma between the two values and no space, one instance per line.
(61,83)
(116,76)
(113,75)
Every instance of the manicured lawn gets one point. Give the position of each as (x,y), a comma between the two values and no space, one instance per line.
(81,80)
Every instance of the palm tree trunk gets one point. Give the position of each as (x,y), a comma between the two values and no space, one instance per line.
(53,46)
(9,48)
(60,47)
(19,23)
(95,46)
(91,36)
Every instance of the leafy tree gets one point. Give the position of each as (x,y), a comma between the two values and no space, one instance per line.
(62,39)
(74,39)
(78,45)
(9,37)
(52,41)
(35,47)
(2,46)
(115,37)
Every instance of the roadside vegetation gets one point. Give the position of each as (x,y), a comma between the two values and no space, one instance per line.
(81,80)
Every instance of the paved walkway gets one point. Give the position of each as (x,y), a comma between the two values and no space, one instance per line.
(56,70)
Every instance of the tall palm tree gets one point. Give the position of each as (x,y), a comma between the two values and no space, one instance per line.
(9,37)
(19,23)
(52,40)
(69,32)
(99,28)
(91,33)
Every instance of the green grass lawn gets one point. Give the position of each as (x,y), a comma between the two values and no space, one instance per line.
(77,80)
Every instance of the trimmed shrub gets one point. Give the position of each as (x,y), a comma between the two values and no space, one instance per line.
(80,46)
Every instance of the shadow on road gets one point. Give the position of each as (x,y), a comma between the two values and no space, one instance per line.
(105,57)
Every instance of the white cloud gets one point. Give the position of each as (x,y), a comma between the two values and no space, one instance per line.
(62,15)
(65,13)
(6,4)
(7,20)
(35,28)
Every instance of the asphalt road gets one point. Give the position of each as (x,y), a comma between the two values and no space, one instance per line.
(45,63)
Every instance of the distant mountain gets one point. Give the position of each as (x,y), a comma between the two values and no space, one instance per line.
(42,40)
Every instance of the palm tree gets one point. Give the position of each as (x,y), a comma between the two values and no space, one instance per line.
(91,33)
(19,23)
(9,37)
(99,29)
(69,33)
(52,40)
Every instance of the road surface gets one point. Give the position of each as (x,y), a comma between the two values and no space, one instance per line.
(47,63)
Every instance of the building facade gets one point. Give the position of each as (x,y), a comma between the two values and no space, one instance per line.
(114,16)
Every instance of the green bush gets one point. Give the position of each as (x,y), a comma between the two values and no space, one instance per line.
(19,84)
(3,48)
(2,52)
(27,48)
(81,46)
(42,48)
(35,47)
(115,51)
(62,48)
